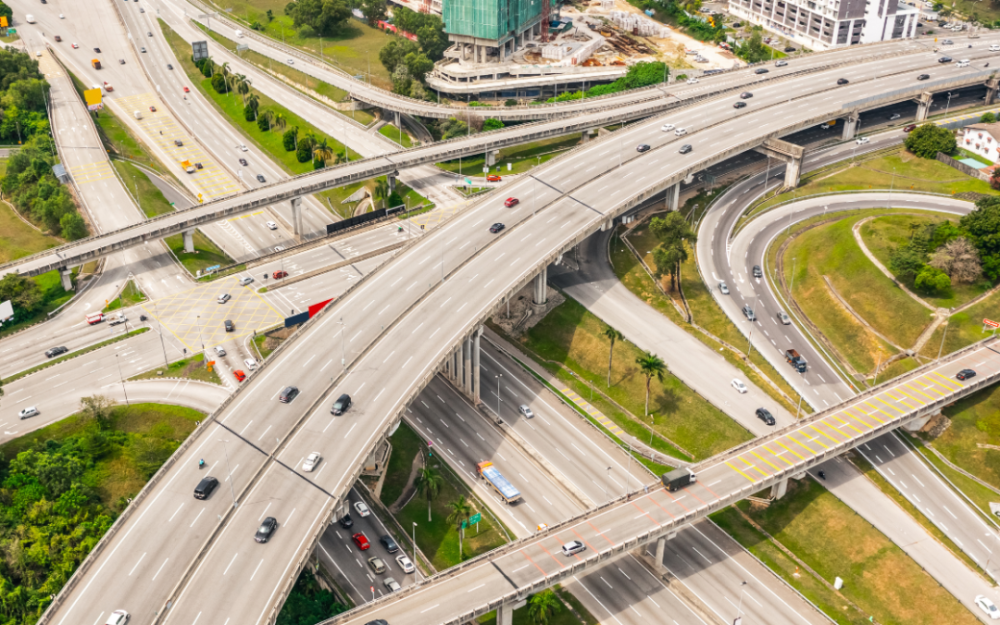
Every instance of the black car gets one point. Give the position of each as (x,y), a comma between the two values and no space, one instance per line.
(243,162)
(378,621)
(97,50)
(389,544)
(685,148)
(739,105)
(288,394)
(346,521)
(757,273)
(748,313)
(121,61)
(923,76)
(642,147)
(789,49)
(944,59)
(746,95)
(229,325)
(965,374)
(341,405)
(178,142)
(497,227)
(55,351)
(205,487)
(266,529)
(149,34)
(761,70)
(765,416)
(842,81)
(260,178)
(169,66)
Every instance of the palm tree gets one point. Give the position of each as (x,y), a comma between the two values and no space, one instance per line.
(226,74)
(253,101)
(280,120)
(428,484)
(242,86)
(461,510)
(613,335)
(322,150)
(651,365)
(340,157)
(268,115)
(542,606)
(381,189)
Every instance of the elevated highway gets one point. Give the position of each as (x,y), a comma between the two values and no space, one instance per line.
(384,340)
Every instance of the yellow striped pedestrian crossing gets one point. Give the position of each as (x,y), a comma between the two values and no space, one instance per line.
(594,412)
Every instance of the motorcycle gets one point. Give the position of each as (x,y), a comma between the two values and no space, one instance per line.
(201,463)
(822,475)
(142,317)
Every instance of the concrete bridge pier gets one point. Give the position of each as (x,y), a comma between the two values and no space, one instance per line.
(673,201)
(491,157)
(391,178)
(917,424)
(505,613)
(779,489)
(297,216)
(789,153)
(661,550)
(850,126)
(66,275)
(585,137)
(540,295)
(924,105)
(462,366)
(189,241)
(991,89)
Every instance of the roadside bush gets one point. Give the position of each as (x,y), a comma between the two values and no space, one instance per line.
(288,140)
(927,140)
(36,192)
(219,83)
(322,17)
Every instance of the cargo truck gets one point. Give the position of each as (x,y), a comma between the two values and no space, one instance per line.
(95,63)
(796,360)
(504,488)
(95,318)
(678,479)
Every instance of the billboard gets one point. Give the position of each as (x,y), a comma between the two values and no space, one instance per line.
(200,50)
(93,99)
(6,312)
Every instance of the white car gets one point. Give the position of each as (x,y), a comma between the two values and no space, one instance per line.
(392,584)
(290,62)
(61,16)
(995,48)
(362,509)
(278,248)
(406,564)
(667,127)
(739,386)
(988,606)
(243,148)
(271,225)
(692,81)
(118,617)
(30,411)
(245,281)
(220,351)
(311,461)
(573,547)
(523,409)
(225,297)
(783,318)
(723,288)
(680,132)
(862,140)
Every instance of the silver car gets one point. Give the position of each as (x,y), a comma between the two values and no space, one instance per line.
(392,584)
(723,288)
(245,281)
(523,409)
(783,318)
(573,547)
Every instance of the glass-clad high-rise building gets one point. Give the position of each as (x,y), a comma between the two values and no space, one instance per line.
(490,30)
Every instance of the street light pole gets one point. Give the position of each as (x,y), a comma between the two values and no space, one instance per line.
(121,379)
(739,609)
(230,471)
(606,484)
(498,376)
(413,537)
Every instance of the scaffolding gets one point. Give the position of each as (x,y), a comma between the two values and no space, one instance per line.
(489,19)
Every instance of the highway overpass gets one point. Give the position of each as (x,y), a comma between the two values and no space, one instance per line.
(388,336)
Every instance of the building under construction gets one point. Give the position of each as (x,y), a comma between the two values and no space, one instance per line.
(492,30)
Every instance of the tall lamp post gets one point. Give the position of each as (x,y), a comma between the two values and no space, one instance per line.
(413,537)
(739,610)
(121,379)
(498,376)
(229,470)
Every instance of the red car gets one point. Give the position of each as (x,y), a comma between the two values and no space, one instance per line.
(186,90)
(493,178)
(279,274)
(240,376)
(361,541)
(152,109)
(511,201)
(910,128)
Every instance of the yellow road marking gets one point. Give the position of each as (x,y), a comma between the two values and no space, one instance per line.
(865,414)
(773,453)
(750,465)
(790,449)
(905,394)
(835,441)
(874,407)
(765,460)
(917,391)
(808,438)
(741,473)
(948,380)
(847,424)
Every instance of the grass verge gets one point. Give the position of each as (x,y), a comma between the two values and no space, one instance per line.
(206,254)
(79,352)
(572,337)
(406,444)
(191,368)
(392,133)
(522,157)
(18,239)
(129,296)
(878,576)
(152,202)
(53,295)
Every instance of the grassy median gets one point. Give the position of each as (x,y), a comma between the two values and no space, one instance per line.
(192,368)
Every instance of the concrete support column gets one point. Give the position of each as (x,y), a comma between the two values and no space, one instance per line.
(392,182)
(475,365)
(505,614)
(673,197)
(66,274)
(491,158)
(467,366)
(541,287)
(918,423)
(850,127)
(586,136)
(297,216)
(661,548)
(189,241)
(991,89)
(792,170)
(778,489)
(923,106)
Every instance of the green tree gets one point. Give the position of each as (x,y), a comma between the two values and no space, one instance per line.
(270,15)
(322,150)
(672,228)
(417,64)
(542,607)
(927,140)
(905,263)
(394,199)
(428,484)
(290,139)
(612,336)
(373,10)
(988,118)
(322,17)
(754,50)
(933,281)
(381,190)
(22,292)
(100,409)
(651,366)
(73,227)
(669,257)
(983,228)
(432,39)
(461,511)
(492,123)
(264,120)
(393,53)
(304,151)
(219,83)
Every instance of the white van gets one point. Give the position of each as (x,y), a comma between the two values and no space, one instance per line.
(251,364)
(239,34)
(137,114)
(30,18)
(963,63)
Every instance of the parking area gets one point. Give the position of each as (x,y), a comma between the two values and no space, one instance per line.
(196,317)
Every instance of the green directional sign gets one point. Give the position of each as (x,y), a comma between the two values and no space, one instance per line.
(475,518)
(468,181)
(465,524)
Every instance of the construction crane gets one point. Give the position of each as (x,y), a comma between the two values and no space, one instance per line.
(545,20)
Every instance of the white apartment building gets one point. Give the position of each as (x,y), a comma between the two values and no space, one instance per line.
(826,24)
(982,139)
